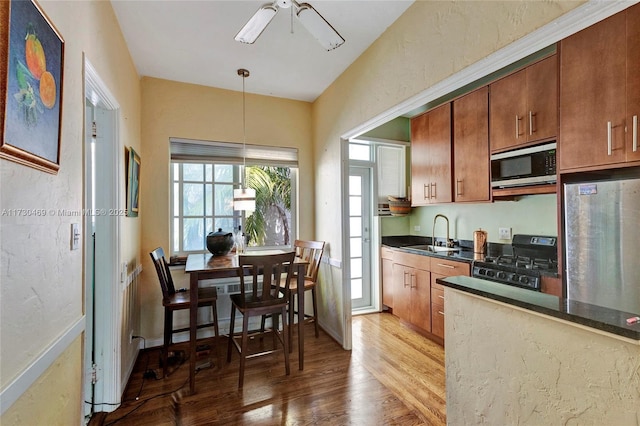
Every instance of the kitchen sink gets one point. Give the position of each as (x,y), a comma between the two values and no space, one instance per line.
(433,249)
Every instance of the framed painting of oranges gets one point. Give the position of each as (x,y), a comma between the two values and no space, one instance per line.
(31,62)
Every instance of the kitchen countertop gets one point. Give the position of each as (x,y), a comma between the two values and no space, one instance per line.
(597,317)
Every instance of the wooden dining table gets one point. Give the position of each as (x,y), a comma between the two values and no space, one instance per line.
(205,266)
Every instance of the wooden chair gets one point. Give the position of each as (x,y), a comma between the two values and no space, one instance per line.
(310,251)
(173,300)
(269,296)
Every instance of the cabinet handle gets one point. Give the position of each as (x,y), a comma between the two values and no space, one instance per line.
(458,182)
(530,123)
(413,280)
(433,194)
(517,127)
(441,297)
(446,266)
(441,313)
(404,279)
(608,137)
(635,133)
(424,191)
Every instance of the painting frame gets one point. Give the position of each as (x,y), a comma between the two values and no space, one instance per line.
(133,182)
(31,86)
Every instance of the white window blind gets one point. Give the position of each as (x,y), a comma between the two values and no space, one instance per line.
(232,153)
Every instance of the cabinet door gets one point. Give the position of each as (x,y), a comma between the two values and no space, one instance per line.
(387,282)
(421,299)
(440,150)
(402,291)
(420,160)
(542,100)
(592,95)
(633,83)
(431,157)
(508,111)
(471,146)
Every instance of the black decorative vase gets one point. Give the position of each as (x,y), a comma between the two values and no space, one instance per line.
(219,243)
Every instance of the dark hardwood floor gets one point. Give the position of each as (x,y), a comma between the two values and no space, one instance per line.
(393,376)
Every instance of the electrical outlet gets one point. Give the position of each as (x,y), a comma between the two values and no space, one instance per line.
(504,233)
(416,228)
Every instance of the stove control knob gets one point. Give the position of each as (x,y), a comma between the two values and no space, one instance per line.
(514,277)
(524,280)
(482,271)
(490,273)
(501,275)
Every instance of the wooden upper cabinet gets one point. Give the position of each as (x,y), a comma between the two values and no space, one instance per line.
(599,93)
(431,157)
(633,83)
(524,106)
(471,146)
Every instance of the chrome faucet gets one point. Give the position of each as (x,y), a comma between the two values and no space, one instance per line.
(448,242)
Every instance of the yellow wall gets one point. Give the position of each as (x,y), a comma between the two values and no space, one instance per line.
(55,398)
(41,279)
(431,41)
(172,109)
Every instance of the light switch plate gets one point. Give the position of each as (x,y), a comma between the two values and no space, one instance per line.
(75,236)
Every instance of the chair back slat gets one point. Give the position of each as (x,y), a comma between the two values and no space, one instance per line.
(164,273)
(310,251)
(273,268)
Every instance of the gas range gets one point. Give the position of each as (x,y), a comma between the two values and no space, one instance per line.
(532,254)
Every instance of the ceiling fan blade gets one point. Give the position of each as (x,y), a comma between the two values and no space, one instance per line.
(256,25)
(319,27)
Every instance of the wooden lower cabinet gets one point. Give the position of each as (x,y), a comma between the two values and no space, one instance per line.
(409,287)
(412,295)
(437,307)
(386,261)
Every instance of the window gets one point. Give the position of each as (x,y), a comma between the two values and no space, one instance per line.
(203,178)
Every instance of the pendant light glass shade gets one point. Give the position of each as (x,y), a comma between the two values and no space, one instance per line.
(244,199)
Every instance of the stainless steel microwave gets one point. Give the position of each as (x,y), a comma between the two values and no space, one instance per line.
(534,165)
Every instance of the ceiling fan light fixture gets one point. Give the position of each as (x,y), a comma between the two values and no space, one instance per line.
(319,27)
(256,25)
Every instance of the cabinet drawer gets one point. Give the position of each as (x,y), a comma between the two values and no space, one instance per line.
(416,261)
(437,322)
(449,268)
(386,253)
(437,298)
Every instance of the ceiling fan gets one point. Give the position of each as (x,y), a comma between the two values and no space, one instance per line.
(310,18)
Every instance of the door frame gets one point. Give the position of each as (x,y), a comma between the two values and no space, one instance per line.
(106,340)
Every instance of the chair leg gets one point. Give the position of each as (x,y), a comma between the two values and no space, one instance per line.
(315,311)
(291,319)
(168,331)
(216,331)
(232,322)
(245,347)
(285,338)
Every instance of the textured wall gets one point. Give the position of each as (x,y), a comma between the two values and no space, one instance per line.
(431,41)
(510,366)
(41,285)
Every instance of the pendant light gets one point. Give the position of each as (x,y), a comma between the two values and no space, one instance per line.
(244,199)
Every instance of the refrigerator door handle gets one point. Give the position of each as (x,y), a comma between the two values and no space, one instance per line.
(635,133)
(609,138)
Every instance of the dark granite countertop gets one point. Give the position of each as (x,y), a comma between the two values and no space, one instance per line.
(597,317)
(464,254)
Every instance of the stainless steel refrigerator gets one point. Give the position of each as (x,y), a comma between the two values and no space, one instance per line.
(602,243)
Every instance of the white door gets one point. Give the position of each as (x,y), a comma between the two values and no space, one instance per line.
(360,219)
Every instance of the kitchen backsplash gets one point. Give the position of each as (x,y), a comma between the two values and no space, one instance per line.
(534,214)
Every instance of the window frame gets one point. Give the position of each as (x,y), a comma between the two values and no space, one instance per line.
(238,217)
